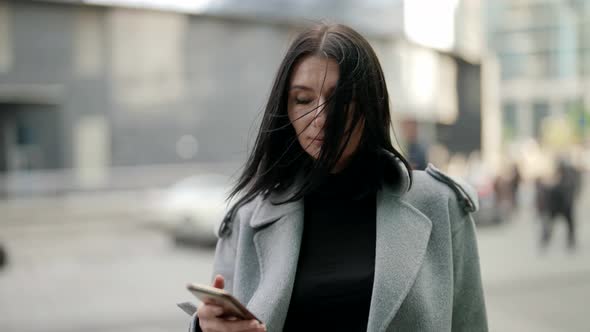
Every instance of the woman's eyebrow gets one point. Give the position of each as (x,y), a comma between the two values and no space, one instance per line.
(301,87)
(306,88)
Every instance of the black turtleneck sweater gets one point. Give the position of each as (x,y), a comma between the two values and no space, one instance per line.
(334,280)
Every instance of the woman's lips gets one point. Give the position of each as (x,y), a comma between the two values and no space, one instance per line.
(317,141)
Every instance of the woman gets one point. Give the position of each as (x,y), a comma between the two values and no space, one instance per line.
(333,231)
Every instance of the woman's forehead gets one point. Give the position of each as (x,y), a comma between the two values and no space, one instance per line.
(315,73)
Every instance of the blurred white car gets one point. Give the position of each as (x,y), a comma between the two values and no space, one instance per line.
(488,212)
(193,207)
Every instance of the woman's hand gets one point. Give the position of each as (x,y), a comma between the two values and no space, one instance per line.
(210,317)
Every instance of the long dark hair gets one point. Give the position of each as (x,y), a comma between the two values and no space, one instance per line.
(277,158)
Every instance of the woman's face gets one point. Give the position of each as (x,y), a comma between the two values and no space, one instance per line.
(312,82)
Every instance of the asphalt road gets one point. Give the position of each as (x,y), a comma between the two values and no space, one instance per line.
(97,277)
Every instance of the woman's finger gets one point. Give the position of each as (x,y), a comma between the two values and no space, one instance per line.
(209,311)
(219,281)
(235,326)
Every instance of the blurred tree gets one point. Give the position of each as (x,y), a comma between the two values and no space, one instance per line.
(579,119)
(558,133)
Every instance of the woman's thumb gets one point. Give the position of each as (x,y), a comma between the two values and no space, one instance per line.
(219,282)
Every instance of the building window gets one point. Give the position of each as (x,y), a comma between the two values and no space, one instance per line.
(512,66)
(578,117)
(540,112)
(509,121)
(585,63)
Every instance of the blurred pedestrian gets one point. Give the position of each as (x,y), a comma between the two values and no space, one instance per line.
(417,155)
(542,192)
(332,230)
(3,258)
(514,183)
(503,194)
(558,200)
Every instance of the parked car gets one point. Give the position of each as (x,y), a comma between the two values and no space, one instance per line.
(193,207)
(489,212)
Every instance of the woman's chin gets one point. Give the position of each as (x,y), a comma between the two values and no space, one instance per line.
(313,151)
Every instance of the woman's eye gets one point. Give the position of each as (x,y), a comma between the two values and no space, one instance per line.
(302,101)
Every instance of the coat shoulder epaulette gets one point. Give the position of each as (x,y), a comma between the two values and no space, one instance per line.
(466,195)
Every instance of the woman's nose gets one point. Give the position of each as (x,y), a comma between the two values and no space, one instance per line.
(319,115)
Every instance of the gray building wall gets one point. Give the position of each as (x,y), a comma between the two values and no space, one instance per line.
(133,84)
(141,80)
(42,45)
(543,49)
(226,72)
(142,87)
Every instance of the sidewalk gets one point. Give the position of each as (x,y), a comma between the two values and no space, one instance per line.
(74,208)
(532,290)
(511,251)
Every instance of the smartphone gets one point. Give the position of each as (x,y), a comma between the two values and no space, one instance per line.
(231,306)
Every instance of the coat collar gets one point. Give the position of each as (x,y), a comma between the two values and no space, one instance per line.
(267,212)
(403,233)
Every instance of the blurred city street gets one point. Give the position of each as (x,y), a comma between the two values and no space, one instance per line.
(123,122)
(532,290)
(95,275)
(118,273)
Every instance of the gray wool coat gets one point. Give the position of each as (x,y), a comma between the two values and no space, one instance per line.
(427,274)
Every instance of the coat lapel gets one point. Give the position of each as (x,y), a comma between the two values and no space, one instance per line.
(277,241)
(402,237)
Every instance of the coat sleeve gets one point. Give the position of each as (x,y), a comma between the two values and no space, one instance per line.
(224,262)
(469,311)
